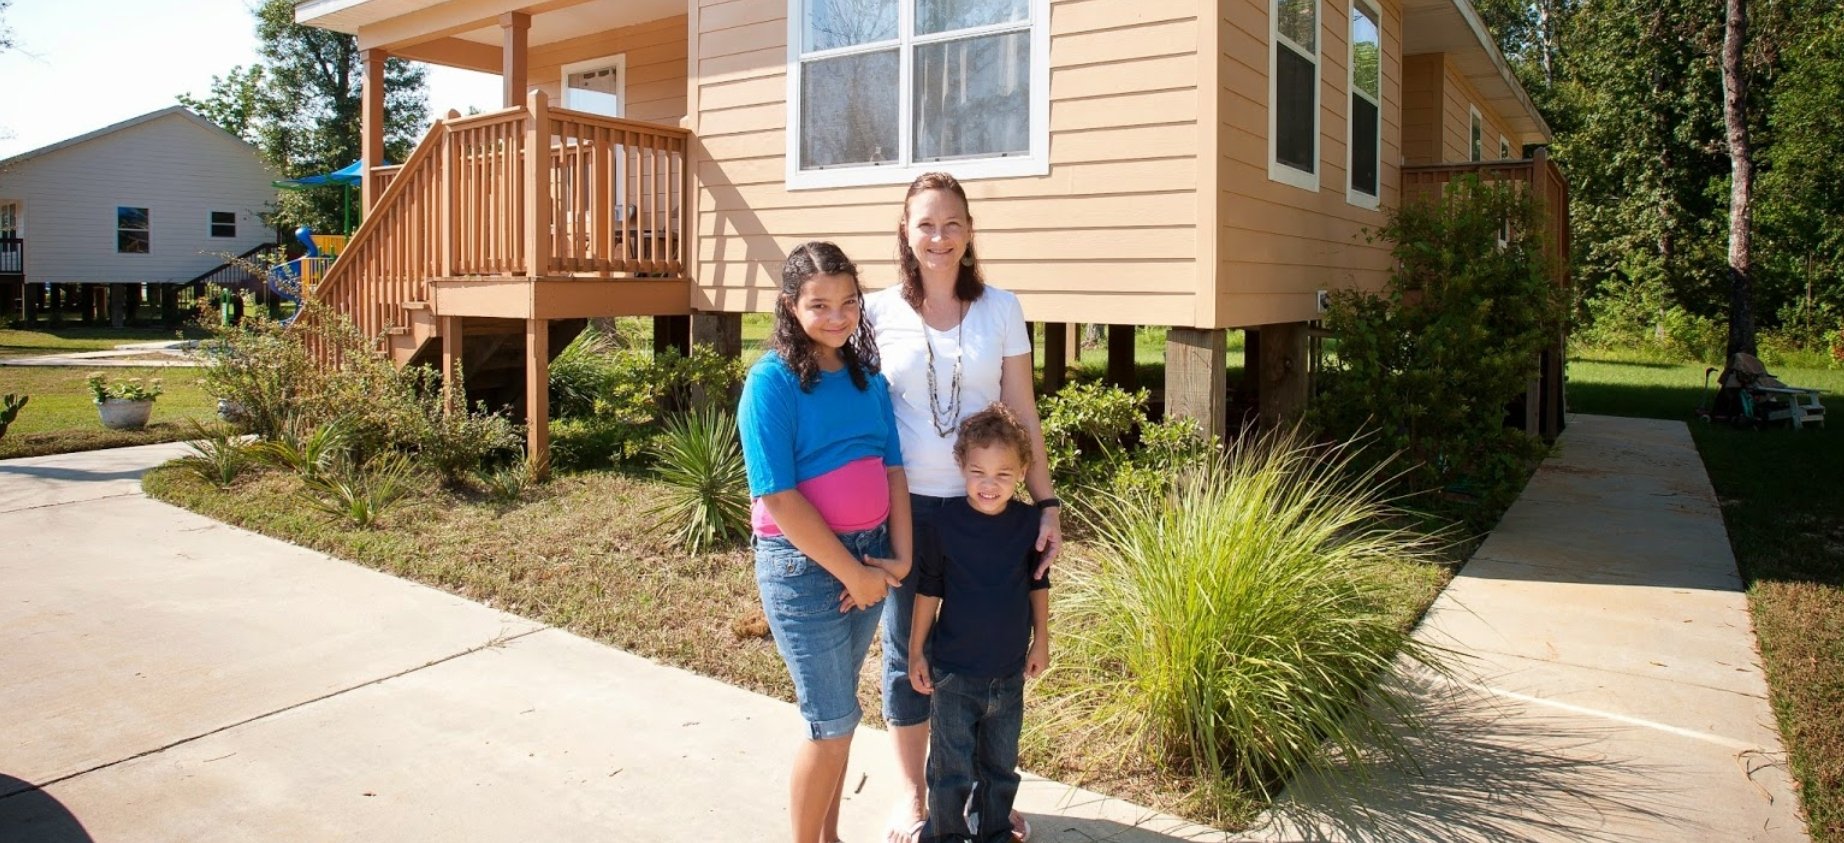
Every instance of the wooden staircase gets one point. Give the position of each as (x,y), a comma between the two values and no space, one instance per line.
(503,233)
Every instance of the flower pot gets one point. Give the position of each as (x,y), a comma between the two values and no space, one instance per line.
(122,414)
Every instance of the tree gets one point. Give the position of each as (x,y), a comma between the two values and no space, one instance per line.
(1741,182)
(300,105)
(6,32)
(1800,198)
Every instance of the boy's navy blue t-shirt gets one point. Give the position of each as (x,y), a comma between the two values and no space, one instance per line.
(980,566)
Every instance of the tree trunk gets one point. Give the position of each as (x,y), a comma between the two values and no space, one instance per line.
(1741,185)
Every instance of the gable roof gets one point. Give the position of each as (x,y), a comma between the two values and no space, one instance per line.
(1454,27)
(174,110)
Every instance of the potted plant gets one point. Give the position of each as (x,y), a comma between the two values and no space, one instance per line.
(124,405)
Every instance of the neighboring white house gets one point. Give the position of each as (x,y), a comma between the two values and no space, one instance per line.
(155,199)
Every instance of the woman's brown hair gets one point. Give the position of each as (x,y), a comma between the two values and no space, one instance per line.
(969,284)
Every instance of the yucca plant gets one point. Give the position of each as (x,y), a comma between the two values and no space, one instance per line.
(219,454)
(701,460)
(361,494)
(508,483)
(305,450)
(1232,622)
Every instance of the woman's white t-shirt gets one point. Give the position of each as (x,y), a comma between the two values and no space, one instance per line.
(992,330)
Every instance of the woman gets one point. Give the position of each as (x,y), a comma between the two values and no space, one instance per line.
(950,346)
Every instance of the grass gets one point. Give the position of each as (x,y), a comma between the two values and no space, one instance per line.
(62,417)
(35,342)
(1782,493)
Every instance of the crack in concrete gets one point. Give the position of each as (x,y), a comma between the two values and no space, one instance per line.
(135,493)
(495,642)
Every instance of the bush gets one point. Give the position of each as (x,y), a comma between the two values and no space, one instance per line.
(361,493)
(306,450)
(219,455)
(1085,427)
(701,461)
(1429,364)
(260,367)
(613,399)
(1233,627)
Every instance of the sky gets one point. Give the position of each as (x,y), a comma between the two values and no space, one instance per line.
(80,65)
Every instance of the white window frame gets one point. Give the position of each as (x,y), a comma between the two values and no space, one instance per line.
(1036,162)
(619,60)
(1352,194)
(1287,173)
(1504,149)
(1475,133)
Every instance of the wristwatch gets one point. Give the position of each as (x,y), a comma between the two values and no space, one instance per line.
(1047,503)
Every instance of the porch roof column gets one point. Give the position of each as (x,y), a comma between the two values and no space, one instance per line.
(514,26)
(371,123)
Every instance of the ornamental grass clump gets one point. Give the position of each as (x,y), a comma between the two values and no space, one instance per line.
(1232,624)
(700,459)
(219,454)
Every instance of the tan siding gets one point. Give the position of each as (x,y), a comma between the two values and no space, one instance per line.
(1110,234)
(1278,243)
(1422,108)
(656,66)
(1457,125)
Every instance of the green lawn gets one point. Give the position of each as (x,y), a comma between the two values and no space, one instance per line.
(35,342)
(1782,495)
(62,418)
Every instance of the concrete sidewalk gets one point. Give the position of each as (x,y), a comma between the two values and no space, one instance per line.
(1608,686)
(166,677)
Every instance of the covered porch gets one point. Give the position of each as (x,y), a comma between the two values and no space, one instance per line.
(568,203)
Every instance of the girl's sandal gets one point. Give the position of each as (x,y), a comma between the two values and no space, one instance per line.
(912,835)
(1021,828)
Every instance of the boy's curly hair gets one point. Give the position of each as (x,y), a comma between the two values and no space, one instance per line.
(993,425)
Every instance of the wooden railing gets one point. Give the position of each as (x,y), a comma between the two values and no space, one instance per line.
(1538,175)
(607,198)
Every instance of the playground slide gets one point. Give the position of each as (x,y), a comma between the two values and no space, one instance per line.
(297,277)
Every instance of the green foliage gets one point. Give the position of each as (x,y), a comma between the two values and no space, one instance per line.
(261,367)
(361,493)
(307,450)
(1085,425)
(219,454)
(1234,626)
(610,399)
(9,410)
(509,483)
(265,368)
(132,389)
(299,105)
(1429,365)
(700,458)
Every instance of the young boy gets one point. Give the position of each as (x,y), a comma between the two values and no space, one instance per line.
(992,633)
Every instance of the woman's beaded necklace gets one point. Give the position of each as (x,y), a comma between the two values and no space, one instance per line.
(946,419)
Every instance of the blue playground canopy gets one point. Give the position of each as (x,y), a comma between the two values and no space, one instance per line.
(344,177)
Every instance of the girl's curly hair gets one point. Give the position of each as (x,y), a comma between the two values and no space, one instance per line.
(790,341)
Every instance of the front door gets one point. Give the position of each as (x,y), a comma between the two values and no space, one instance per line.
(598,86)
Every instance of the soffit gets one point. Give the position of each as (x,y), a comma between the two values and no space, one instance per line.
(1453,27)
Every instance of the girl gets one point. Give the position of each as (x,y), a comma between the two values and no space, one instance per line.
(831,506)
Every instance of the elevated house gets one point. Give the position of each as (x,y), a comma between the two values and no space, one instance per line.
(143,207)
(1203,166)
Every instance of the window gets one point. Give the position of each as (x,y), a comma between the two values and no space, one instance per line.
(1293,93)
(1366,105)
(223,224)
(9,219)
(596,87)
(131,231)
(1504,147)
(884,90)
(1478,134)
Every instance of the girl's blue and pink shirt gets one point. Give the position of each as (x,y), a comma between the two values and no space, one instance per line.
(833,444)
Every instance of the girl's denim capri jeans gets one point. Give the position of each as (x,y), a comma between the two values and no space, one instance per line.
(824,649)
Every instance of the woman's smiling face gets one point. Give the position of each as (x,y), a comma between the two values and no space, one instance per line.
(938,229)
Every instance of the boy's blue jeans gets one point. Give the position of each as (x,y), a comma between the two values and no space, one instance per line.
(973,758)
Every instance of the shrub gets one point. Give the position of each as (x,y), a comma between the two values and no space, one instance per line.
(597,442)
(627,392)
(361,494)
(582,372)
(1085,425)
(306,450)
(446,436)
(219,454)
(260,367)
(1430,363)
(508,483)
(701,461)
(1234,626)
